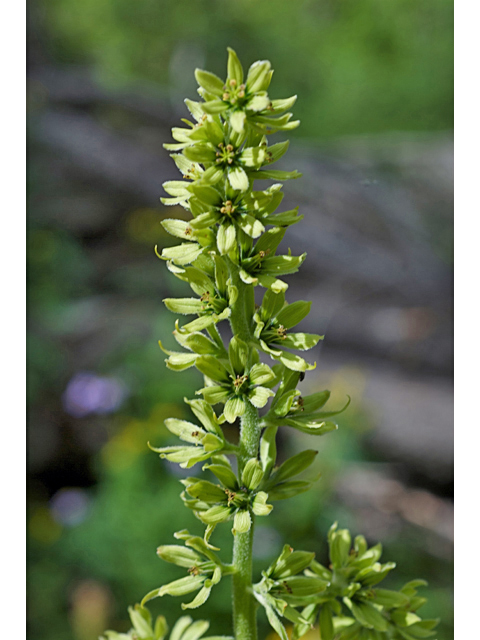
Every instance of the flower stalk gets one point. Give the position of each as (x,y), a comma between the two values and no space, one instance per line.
(229,246)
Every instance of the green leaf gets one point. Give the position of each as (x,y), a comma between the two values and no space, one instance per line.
(242,521)
(186,431)
(315,401)
(326,622)
(271,305)
(391,599)
(181,556)
(206,194)
(179,587)
(215,394)
(204,412)
(270,240)
(200,152)
(238,354)
(252,227)
(301,341)
(312,428)
(213,369)
(261,374)
(180,626)
(294,362)
(214,106)
(178,228)
(199,343)
(285,218)
(206,491)
(282,265)
(269,282)
(279,106)
(252,157)
(284,404)
(182,254)
(238,179)
(259,102)
(367,615)
(216,514)
(237,121)
(276,151)
(294,466)
(200,598)
(268,449)
(288,489)
(302,586)
(260,506)
(291,564)
(258,76)
(252,474)
(160,629)
(375,574)
(275,622)
(209,81)
(234,67)
(176,188)
(340,544)
(224,474)
(259,396)
(178,361)
(291,314)
(234,408)
(273,174)
(140,624)
(226,238)
(185,306)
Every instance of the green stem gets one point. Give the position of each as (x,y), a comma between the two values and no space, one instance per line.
(244,605)
(241,319)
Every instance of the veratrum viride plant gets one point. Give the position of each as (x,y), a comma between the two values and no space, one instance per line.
(229,247)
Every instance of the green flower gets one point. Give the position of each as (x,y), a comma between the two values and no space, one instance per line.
(290,409)
(213,503)
(202,442)
(210,150)
(209,279)
(235,382)
(273,321)
(205,570)
(245,102)
(283,588)
(260,266)
(353,606)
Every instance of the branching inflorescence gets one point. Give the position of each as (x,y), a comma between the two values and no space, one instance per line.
(229,247)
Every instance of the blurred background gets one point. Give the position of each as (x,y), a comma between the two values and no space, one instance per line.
(106,82)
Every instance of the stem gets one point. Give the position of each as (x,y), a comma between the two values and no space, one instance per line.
(240,321)
(244,605)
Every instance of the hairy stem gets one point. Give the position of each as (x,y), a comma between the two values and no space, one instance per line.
(244,605)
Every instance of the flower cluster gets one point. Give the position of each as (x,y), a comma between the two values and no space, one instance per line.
(344,598)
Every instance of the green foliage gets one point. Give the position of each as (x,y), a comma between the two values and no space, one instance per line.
(361,65)
(226,254)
